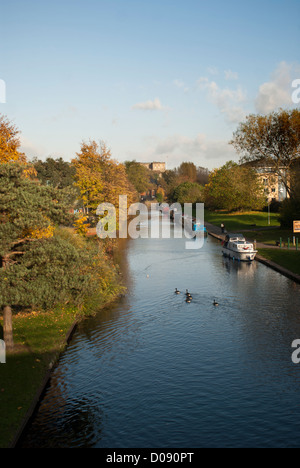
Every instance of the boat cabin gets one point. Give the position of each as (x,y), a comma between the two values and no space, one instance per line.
(235,238)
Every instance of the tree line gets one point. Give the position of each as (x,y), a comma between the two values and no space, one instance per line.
(46,207)
(44,262)
(265,143)
(270,141)
(273,141)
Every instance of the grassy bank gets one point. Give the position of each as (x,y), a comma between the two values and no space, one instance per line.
(39,338)
(40,335)
(271,236)
(242,221)
(285,258)
(255,226)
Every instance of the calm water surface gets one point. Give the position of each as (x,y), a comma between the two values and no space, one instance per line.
(154,371)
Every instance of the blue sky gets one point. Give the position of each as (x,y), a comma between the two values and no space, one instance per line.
(161,80)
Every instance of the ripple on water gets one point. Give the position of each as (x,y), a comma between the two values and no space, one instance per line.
(153,371)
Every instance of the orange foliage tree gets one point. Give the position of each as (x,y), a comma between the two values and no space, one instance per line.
(10,145)
(100,178)
(9,142)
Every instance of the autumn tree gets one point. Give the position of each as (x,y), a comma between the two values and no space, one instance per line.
(10,147)
(138,175)
(234,187)
(290,207)
(160,195)
(55,172)
(99,177)
(271,140)
(28,214)
(9,142)
(188,192)
(169,182)
(202,175)
(187,172)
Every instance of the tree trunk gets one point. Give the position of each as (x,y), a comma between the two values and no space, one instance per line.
(7,328)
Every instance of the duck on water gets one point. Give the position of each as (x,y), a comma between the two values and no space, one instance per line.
(189,297)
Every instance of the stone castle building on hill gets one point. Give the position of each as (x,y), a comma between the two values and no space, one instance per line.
(155,166)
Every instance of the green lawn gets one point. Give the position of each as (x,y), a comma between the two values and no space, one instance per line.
(262,233)
(241,221)
(285,258)
(271,236)
(39,337)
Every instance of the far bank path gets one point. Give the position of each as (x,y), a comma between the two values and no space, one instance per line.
(216,232)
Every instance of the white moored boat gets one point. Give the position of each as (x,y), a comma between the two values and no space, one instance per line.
(235,246)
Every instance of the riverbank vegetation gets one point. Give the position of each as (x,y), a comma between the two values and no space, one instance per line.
(99,178)
(39,337)
(43,265)
(81,280)
(240,221)
(269,167)
(51,273)
(45,258)
(272,237)
(272,142)
(276,244)
(228,189)
(286,258)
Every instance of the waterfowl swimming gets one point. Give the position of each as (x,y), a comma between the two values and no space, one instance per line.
(187,292)
(176,291)
(216,303)
(188,299)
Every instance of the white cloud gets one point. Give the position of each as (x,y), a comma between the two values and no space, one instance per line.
(278,91)
(212,70)
(230,75)
(149,105)
(199,150)
(228,101)
(180,143)
(181,85)
(178,83)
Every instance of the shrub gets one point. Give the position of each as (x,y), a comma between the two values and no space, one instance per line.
(289,212)
(188,192)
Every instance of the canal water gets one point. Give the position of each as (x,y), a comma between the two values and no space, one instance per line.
(155,371)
